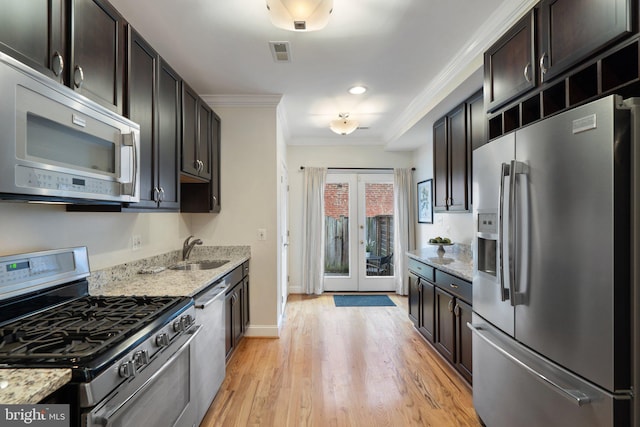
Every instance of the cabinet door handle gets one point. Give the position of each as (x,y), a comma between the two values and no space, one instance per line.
(78,76)
(450,306)
(453,285)
(156,194)
(214,199)
(543,64)
(161,195)
(527,72)
(57,64)
(456,310)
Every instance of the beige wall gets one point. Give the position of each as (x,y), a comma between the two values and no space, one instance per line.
(249,177)
(28,227)
(327,156)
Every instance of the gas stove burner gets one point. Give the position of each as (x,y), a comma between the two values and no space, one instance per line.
(79,330)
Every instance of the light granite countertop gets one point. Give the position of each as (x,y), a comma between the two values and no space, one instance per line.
(456,260)
(27,386)
(30,386)
(126,279)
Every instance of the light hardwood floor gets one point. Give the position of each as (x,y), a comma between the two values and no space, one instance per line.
(341,366)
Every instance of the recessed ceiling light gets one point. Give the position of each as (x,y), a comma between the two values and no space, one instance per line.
(357,90)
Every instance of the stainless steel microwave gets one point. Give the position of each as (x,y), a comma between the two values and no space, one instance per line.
(57,145)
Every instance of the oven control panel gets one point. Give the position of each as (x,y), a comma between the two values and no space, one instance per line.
(38,270)
(24,269)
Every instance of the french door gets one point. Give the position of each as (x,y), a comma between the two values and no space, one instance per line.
(359,232)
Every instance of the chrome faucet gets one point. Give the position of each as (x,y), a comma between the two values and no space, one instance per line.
(188,246)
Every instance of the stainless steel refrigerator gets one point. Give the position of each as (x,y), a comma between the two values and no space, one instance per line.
(555,286)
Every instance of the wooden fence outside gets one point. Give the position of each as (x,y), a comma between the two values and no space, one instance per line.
(336,256)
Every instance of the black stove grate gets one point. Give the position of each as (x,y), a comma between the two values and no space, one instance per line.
(79,330)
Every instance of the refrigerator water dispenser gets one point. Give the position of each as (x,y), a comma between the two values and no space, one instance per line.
(487,243)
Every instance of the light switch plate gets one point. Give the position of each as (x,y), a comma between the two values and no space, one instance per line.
(262,234)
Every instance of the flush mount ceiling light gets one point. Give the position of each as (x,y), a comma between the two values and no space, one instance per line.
(343,126)
(357,90)
(300,15)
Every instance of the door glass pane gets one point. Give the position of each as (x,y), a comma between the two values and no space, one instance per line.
(379,229)
(336,211)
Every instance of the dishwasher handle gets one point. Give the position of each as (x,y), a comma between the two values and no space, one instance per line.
(208,298)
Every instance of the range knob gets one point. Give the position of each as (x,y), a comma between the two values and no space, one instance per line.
(187,321)
(162,340)
(140,358)
(178,325)
(127,369)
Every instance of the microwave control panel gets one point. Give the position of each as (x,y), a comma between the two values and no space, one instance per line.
(30,177)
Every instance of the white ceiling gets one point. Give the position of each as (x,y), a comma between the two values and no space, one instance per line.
(417,57)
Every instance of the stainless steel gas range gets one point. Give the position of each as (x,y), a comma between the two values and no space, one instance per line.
(131,357)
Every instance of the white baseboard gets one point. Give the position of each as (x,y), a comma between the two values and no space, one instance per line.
(295,290)
(263,331)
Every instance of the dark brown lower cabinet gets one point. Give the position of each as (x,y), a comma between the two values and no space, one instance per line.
(440,316)
(446,325)
(236,314)
(414,299)
(462,312)
(427,305)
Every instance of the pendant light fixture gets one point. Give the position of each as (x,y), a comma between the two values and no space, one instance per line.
(343,126)
(300,15)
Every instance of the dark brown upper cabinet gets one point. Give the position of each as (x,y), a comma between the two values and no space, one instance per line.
(97,52)
(205,196)
(554,37)
(450,156)
(33,32)
(169,136)
(509,65)
(153,102)
(196,137)
(571,30)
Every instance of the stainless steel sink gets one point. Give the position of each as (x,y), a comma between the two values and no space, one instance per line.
(205,264)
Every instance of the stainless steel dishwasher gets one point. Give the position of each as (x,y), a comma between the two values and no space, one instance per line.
(209,345)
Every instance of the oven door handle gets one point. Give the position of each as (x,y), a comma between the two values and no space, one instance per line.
(105,419)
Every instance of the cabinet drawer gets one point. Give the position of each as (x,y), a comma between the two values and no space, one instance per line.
(422,270)
(452,284)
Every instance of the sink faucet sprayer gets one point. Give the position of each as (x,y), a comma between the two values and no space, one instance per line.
(188,246)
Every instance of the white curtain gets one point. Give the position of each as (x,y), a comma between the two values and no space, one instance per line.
(403,226)
(313,231)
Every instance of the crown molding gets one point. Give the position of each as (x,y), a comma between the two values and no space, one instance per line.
(242,100)
(464,64)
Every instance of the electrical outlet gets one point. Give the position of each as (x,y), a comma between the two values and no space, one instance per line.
(136,242)
(262,234)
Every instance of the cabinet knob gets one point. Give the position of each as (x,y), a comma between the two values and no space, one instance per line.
(78,76)
(57,64)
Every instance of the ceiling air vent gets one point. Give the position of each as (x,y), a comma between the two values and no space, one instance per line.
(280,51)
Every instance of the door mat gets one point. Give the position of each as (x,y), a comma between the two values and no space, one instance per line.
(362,301)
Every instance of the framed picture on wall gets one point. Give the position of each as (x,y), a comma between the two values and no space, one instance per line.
(425,201)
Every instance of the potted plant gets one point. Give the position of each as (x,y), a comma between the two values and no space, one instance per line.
(369,247)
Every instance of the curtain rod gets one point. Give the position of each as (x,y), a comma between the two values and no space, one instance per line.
(380,169)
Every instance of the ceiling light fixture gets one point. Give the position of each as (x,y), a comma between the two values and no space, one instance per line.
(300,15)
(357,90)
(343,126)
